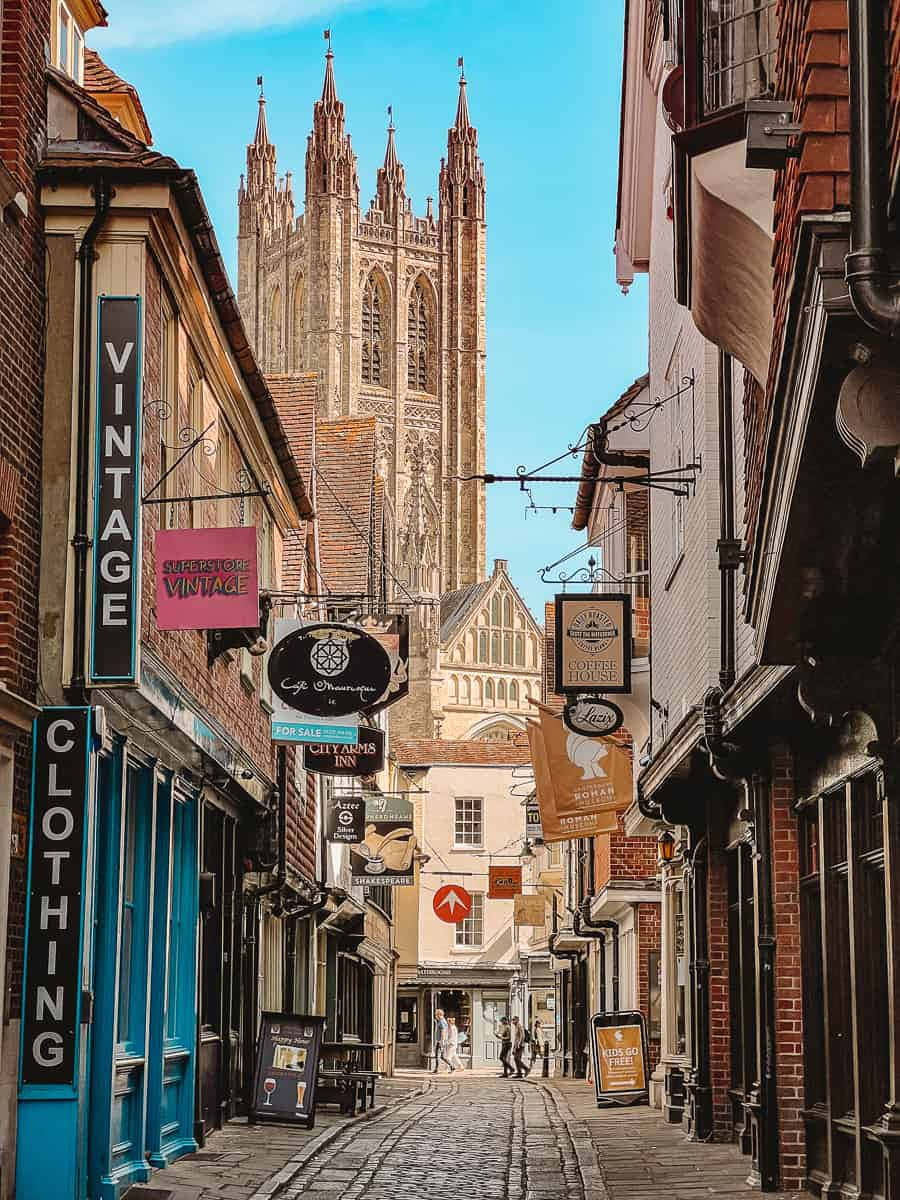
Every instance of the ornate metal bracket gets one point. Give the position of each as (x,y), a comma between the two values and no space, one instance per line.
(218,641)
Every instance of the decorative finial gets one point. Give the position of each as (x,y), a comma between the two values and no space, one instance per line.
(259,84)
(326,34)
(390,116)
(461,65)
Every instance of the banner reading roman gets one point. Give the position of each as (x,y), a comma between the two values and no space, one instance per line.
(589,774)
(561,826)
(593,642)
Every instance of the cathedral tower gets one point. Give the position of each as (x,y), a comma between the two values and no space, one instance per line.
(389,308)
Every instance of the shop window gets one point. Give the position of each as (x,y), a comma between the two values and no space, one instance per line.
(467,825)
(126,931)
(355,996)
(470,931)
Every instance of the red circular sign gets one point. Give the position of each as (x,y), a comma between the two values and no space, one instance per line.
(452,903)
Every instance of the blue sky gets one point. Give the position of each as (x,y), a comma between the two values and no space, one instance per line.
(544,92)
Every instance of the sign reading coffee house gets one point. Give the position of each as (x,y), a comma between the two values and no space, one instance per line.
(593,642)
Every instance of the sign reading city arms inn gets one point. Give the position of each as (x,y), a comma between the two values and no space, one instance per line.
(53,924)
(207,578)
(329,670)
(593,642)
(116,493)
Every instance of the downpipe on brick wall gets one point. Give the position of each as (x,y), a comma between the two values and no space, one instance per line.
(583,926)
(873,287)
(103,194)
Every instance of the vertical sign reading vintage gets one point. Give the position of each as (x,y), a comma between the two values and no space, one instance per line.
(116,491)
(53,930)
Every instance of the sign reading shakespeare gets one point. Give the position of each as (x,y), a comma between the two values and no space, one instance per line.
(52,986)
(619,1048)
(116,498)
(329,670)
(504,883)
(388,850)
(331,758)
(207,578)
(593,642)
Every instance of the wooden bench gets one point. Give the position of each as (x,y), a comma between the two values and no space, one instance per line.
(351,1090)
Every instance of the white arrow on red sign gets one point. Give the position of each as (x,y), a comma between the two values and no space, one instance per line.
(452,903)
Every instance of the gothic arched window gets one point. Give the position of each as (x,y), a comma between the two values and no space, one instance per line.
(489,692)
(507,611)
(375,357)
(483,646)
(514,695)
(495,648)
(297,325)
(419,328)
(501,692)
(520,650)
(275,326)
(495,611)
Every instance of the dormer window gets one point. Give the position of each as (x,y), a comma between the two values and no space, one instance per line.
(69,44)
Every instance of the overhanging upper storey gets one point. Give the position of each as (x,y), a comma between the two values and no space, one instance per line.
(635,193)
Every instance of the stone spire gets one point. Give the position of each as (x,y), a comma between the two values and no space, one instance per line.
(391,181)
(261,137)
(257,194)
(462,172)
(330,162)
(462,108)
(329,99)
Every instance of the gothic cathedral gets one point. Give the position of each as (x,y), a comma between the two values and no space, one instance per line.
(389,309)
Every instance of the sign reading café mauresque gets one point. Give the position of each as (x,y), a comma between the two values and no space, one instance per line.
(331,758)
(593,642)
(53,932)
(329,670)
(207,578)
(116,492)
(619,1049)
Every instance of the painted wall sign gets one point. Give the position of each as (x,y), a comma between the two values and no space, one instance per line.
(329,670)
(53,937)
(117,491)
(619,1049)
(345,819)
(592,717)
(504,882)
(391,632)
(331,758)
(207,578)
(530,910)
(593,642)
(287,1068)
(387,852)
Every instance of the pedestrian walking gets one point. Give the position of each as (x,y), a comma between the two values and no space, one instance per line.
(504,1033)
(518,1047)
(454,1040)
(537,1040)
(441,1036)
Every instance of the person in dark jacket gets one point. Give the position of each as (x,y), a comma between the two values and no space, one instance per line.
(504,1033)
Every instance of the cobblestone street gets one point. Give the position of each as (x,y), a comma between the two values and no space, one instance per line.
(458,1138)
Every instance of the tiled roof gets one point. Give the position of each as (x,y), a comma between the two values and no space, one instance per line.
(455,606)
(345,499)
(434,753)
(295,398)
(590,464)
(98,78)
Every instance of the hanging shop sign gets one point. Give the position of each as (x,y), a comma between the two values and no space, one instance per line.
(619,1049)
(386,854)
(593,642)
(345,819)
(588,775)
(207,578)
(559,826)
(392,634)
(331,758)
(329,670)
(533,828)
(530,909)
(452,903)
(504,883)
(116,492)
(287,1067)
(53,927)
(592,717)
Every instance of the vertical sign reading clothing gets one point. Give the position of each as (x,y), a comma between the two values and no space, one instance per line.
(52,986)
(116,490)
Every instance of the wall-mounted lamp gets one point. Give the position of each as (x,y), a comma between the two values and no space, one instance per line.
(526,852)
(666,846)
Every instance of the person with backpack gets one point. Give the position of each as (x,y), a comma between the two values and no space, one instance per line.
(521,1038)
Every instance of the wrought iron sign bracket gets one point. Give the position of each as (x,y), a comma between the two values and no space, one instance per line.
(218,641)
(192,441)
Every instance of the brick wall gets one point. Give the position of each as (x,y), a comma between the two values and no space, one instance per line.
(25,27)
(648,921)
(719,1011)
(811,71)
(788,981)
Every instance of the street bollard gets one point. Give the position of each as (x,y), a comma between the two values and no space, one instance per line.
(545,1069)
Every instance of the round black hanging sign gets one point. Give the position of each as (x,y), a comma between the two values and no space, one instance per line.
(592,717)
(329,670)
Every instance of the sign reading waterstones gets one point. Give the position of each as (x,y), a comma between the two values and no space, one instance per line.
(53,931)
(116,490)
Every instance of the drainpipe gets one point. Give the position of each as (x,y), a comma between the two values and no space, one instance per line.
(647,808)
(729,549)
(583,926)
(867,268)
(76,691)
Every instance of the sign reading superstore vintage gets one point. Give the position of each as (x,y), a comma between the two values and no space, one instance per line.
(207,578)
(53,937)
(593,642)
(116,491)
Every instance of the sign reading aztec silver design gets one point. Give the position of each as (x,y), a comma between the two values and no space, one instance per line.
(329,670)
(53,938)
(116,498)
(592,717)
(593,642)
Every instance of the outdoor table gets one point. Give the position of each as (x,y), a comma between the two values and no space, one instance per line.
(352,1053)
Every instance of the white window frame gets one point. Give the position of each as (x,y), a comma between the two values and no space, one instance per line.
(469,933)
(460,820)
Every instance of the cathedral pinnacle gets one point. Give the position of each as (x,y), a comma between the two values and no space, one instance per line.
(329,90)
(391,162)
(462,107)
(261,137)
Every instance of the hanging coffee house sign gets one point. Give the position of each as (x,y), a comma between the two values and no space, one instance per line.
(593,642)
(329,670)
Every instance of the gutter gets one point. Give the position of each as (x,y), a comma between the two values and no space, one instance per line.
(77,691)
(873,287)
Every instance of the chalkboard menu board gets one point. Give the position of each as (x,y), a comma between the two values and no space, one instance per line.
(619,1046)
(287,1065)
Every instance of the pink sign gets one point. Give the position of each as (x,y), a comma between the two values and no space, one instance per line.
(207,579)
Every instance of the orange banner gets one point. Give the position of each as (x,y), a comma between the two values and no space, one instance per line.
(561,826)
(589,774)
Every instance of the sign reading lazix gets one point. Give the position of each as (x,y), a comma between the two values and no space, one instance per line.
(593,642)
(116,490)
(53,931)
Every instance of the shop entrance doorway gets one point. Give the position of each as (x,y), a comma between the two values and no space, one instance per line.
(458,1004)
